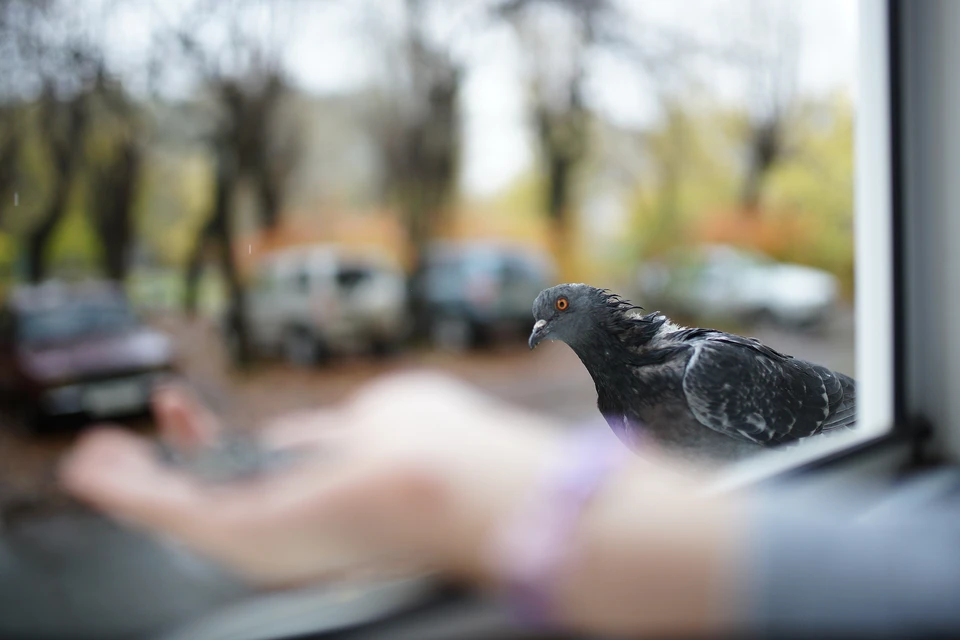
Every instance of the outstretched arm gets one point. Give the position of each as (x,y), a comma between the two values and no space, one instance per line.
(419,469)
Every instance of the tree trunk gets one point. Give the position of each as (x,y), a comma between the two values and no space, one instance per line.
(39,238)
(115,192)
(420,145)
(252,127)
(750,193)
(765,149)
(218,232)
(116,251)
(65,146)
(563,141)
(9,153)
(222,235)
(425,167)
(558,214)
(269,196)
(194,267)
(420,232)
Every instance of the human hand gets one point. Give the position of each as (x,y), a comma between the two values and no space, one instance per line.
(415,468)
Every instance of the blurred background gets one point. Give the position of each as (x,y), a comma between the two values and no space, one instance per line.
(277,200)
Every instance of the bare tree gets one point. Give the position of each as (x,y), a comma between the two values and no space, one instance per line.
(41,45)
(563,139)
(11,141)
(41,50)
(65,125)
(417,126)
(556,35)
(241,150)
(114,181)
(17,18)
(217,234)
(769,68)
(252,114)
(246,96)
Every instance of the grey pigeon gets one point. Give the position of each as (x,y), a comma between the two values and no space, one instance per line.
(699,393)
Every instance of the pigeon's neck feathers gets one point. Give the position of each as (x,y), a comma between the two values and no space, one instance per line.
(629,325)
(619,329)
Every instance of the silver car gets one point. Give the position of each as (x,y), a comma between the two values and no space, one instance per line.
(724,282)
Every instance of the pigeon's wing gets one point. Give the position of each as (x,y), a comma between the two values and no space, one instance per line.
(745,390)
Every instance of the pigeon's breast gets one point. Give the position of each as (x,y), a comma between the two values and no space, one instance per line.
(673,427)
(632,396)
(661,382)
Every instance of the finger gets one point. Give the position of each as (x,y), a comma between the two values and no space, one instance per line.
(119,473)
(311,519)
(183,420)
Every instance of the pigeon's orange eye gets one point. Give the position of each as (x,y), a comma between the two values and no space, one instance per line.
(562,304)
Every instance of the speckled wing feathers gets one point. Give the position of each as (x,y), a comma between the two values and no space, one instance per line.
(743,389)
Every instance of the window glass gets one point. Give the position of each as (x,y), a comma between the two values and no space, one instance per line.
(693,159)
(351,277)
(700,172)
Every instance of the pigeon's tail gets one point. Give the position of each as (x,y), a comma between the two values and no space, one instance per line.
(842,394)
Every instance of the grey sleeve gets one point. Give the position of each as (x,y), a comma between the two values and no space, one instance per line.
(820,571)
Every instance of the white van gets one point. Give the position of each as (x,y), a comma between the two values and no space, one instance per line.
(309,302)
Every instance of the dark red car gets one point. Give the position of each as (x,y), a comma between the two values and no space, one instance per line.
(78,351)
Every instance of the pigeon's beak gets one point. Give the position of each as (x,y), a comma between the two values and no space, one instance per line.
(538,334)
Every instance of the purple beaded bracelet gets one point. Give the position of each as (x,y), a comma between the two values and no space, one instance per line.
(530,549)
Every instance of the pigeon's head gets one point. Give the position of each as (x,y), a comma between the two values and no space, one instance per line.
(566,312)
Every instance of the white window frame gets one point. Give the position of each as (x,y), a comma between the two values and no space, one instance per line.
(874,265)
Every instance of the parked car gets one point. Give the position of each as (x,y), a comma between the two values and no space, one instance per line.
(724,282)
(476,290)
(306,303)
(78,350)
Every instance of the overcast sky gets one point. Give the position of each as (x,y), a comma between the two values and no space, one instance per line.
(325,50)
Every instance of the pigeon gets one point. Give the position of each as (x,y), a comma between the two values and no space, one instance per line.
(700,394)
